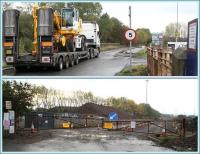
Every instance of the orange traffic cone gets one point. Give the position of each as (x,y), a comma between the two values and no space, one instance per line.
(163,132)
(32,128)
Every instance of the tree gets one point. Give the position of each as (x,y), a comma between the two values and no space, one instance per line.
(79,98)
(139,110)
(6,5)
(25,32)
(143,36)
(20,94)
(171,30)
(88,11)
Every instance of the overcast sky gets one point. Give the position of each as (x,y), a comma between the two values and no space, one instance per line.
(173,96)
(155,15)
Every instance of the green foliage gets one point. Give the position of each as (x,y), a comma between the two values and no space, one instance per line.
(122,103)
(88,11)
(171,33)
(140,110)
(25,32)
(143,36)
(137,70)
(20,94)
(145,110)
(111,29)
(141,53)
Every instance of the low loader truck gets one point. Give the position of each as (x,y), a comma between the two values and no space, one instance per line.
(59,39)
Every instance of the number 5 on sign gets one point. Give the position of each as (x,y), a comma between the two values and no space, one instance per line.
(130,34)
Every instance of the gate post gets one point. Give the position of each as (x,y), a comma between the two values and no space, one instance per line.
(165,127)
(183,124)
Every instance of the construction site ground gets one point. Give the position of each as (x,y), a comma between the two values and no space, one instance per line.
(78,140)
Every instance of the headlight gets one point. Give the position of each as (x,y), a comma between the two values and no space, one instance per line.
(9,59)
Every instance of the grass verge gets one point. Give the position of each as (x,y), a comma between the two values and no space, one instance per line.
(140,54)
(110,47)
(137,70)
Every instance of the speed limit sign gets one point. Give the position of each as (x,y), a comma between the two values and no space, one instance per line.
(130,34)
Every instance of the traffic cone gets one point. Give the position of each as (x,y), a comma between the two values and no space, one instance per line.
(32,128)
(163,133)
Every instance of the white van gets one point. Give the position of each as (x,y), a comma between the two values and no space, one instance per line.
(175,45)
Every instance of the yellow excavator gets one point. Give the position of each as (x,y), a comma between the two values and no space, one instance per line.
(58,38)
(67,27)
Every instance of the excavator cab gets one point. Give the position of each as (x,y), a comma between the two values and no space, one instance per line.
(70,17)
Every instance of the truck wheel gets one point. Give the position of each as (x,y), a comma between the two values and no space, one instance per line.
(66,62)
(72,61)
(76,60)
(83,45)
(97,55)
(88,55)
(60,64)
(71,45)
(91,53)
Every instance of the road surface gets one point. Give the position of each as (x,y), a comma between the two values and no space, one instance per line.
(81,140)
(108,64)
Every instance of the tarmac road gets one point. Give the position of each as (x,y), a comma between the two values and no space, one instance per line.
(81,140)
(108,64)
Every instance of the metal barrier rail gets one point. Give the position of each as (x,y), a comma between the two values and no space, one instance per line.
(158,127)
(159,62)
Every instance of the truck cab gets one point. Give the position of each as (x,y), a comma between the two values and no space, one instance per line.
(91,31)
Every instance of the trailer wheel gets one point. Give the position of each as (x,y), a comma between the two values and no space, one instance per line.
(60,64)
(66,62)
(71,61)
(71,45)
(76,60)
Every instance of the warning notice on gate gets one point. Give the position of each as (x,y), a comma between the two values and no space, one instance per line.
(8,105)
(133,124)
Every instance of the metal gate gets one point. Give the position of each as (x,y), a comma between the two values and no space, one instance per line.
(40,120)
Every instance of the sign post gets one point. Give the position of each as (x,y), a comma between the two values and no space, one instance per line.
(130,35)
(130,45)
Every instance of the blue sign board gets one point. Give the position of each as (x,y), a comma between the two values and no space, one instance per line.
(113,116)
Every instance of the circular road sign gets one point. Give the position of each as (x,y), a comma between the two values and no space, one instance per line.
(130,34)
